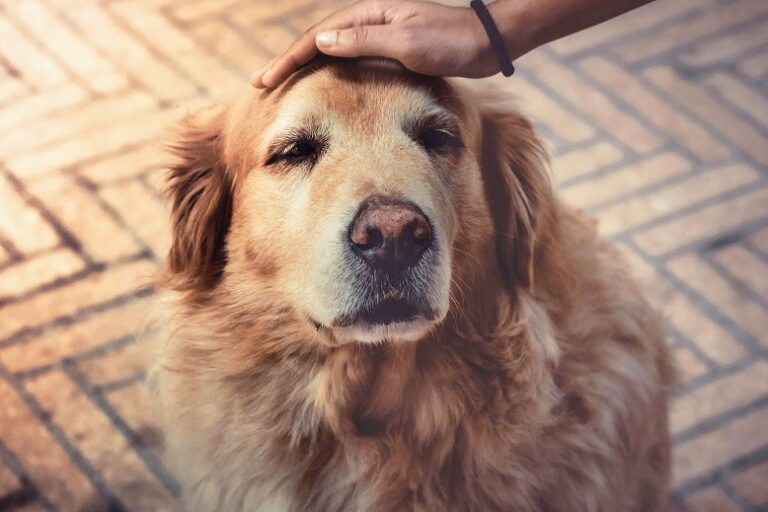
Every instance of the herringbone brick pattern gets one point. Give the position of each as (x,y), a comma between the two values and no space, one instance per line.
(658,123)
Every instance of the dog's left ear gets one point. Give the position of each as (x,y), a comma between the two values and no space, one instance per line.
(516,177)
(200,190)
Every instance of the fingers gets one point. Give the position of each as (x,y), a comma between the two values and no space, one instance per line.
(370,40)
(305,47)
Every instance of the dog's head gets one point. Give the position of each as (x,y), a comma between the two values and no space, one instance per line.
(368,200)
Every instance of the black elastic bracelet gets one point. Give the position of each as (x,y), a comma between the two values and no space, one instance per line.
(507,69)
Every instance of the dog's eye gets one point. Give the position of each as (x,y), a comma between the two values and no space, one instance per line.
(300,150)
(436,139)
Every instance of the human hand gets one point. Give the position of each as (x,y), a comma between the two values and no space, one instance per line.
(426,37)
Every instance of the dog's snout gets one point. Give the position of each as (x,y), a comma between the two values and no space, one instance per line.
(390,234)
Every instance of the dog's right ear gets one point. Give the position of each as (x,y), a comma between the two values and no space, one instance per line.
(200,191)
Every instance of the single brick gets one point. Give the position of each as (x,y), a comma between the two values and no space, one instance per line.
(38,105)
(231,45)
(126,164)
(29,274)
(711,499)
(75,207)
(68,122)
(674,197)
(749,269)
(125,362)
(755,66)
(42,458)
(102,444)
(705,223)
(689,365)
(189,11)
(626,180)
(53,345)
(702,278)
(582,161)
(22,224)
(760,240)
(657,111)
(150,222)
(709,451)
(720,396)
(8,481)
(28,58)
(89,291)
(751,483)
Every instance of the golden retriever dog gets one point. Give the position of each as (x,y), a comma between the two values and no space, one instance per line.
(375,302)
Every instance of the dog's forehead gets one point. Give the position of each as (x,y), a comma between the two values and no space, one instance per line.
(364,95)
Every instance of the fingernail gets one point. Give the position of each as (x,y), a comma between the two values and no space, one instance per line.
(327,38)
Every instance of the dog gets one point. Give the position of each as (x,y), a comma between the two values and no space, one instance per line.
(374,301)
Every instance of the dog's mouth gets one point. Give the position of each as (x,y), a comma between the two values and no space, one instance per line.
(384,312)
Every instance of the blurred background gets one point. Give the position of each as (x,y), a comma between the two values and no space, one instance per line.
(657,123)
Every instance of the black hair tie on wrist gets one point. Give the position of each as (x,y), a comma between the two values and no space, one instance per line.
(507,69)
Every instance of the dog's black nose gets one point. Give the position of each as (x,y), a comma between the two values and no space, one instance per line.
(390,234)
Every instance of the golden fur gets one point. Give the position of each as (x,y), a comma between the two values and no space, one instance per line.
(543,387)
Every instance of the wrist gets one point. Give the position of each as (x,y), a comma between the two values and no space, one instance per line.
(519,30)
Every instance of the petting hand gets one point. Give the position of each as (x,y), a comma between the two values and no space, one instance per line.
(426,37)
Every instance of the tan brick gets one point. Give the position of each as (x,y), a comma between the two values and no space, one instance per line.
(719,118)
(689,365)
(75,208)
(643,18)
(720,396)
(11,88)
(259,13)
(32,273)
(626,180)
(665,117)
(123,363)
(591,102)
(127,164)
(94,289)
(704,223)
(101,444)
(95,114)
(750,484)
(8,481)
(138,408)
(180,48)
(57,39)
(711,499)
(581,161)
(725,49)
(674,197)
(55,344)
(92,143)
(746,267)
(751,102)
(702,278)
(22,224)
(129,53)
(34,65)
(195,9)
(755,66)
(150,221)
(230,45)
(274,38)
(696,27)
(731,441)
(760,240)
(32,107)
(44,460)
(543,107)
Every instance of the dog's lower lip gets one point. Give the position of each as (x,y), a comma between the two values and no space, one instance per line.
(388,312)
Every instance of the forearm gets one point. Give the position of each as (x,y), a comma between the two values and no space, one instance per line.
(527,24)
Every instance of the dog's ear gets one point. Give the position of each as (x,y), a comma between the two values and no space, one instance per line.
(516,177)
(200,191)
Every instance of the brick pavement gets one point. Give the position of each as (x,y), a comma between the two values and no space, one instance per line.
(657,122)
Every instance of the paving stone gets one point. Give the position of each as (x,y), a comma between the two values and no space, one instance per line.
(751,483)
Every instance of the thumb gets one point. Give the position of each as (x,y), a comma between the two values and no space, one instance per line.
(369,40)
